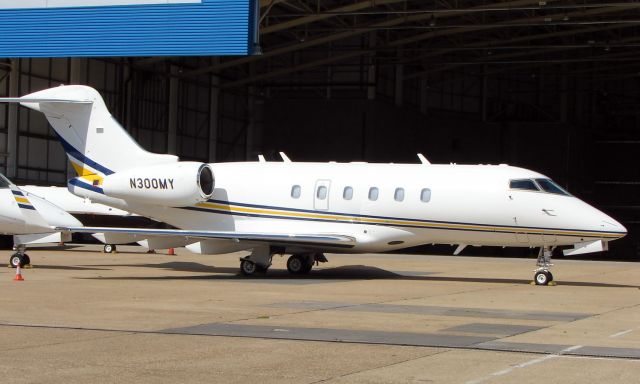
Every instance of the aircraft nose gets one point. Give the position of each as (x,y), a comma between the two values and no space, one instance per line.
(612,225)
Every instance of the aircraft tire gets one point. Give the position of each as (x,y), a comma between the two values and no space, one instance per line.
(296,264)
(308,265)
(109,248)
(14,260)
(248,267)
(17,258)
(543,277)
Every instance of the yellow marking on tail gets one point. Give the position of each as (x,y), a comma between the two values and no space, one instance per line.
(87,174)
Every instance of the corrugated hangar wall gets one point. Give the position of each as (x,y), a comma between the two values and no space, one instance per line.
(162,114)
(550,88)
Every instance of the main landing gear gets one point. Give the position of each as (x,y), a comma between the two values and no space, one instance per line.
(543,275)
(300,264)
(260,260)
(109,248)
(19,258)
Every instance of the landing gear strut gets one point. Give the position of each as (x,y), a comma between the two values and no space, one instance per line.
(19,258)
(543,275)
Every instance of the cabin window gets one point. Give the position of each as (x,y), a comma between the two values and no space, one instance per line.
(523,184)
(296,191)
(373,193)
(548,185)
(425,195)
(347,194)
(398,195)
(321,194)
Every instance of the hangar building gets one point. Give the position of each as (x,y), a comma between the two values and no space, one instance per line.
(549,85)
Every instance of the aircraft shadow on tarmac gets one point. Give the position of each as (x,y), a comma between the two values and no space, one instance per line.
(348,272)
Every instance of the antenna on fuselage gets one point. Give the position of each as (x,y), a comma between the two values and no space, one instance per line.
(423,159)
(261,159)
(285,158)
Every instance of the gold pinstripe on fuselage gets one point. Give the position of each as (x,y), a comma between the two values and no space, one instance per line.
(283,213)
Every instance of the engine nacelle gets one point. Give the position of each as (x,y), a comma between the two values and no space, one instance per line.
(172,185)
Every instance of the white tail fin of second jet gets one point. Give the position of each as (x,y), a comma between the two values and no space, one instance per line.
(95,142)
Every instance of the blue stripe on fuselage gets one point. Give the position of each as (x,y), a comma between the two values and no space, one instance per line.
(86,186)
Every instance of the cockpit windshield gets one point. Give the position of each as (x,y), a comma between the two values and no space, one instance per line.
(537,185)
(4,182)
(548,185)
(525,184)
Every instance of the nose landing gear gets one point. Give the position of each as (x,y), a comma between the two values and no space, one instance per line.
(543,275)
(19,258)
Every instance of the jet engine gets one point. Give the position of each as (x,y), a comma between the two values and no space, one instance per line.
(171,185)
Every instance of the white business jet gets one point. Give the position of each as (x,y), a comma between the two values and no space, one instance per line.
(305,209)
(31,220)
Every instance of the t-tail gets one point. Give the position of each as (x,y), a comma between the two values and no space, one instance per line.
(107,159)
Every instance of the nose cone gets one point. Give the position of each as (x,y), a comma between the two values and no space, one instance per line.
(611,225)
(610,228)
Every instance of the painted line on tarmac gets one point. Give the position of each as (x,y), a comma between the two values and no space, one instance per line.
(523,365)
(619,334)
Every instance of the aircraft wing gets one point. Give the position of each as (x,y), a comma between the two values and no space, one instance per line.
(331,240)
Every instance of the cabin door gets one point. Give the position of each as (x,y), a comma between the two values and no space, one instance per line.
(321,195)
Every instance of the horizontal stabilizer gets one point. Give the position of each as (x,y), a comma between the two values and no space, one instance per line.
(332,240)
(42,100)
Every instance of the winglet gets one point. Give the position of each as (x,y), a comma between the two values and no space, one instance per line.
(285,158)
(423,159)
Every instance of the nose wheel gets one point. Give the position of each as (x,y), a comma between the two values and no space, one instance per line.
(543,275)
(19,258)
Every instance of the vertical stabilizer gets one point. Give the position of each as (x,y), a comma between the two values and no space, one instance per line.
(95,142)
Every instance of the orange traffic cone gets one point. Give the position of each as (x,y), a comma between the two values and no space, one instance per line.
(18,274)
(171,252)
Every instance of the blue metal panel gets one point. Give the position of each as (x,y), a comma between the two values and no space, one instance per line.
(211,27)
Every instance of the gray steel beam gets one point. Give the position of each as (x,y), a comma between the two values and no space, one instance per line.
(351,33)
(12,121)
(325,15)
(172,120)
(214,114)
